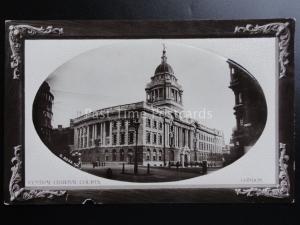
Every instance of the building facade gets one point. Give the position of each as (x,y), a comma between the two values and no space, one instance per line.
(163,136)
(42,112)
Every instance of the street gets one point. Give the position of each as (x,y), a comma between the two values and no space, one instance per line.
(157,174)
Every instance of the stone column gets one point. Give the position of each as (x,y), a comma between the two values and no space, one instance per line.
(75,137)
(167,135)
(186,137)
(78,138)
(95,131)
(110,133)
(175,136)
(88,135)
(102,133)
(191,139)
(83,137)
(126,133)
(118,132)
(178,137)
(93,134)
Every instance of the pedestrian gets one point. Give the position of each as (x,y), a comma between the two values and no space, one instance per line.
(177,165)
(204,167)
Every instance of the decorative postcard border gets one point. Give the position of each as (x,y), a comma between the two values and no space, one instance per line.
(282,32)
(18,33)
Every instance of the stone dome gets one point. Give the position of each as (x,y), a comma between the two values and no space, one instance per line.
(164,68)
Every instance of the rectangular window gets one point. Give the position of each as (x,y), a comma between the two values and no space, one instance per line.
(130,137)
(148,137)
(122,123)
(114,139)
(155,124)
(148,123)
(107,128)
(122,138)
(154,138)
(160,125)
(115,125)
(160,139)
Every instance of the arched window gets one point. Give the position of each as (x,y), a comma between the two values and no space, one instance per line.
(121,155)
(114,155)
(154,156)
(148,155)
(160,155)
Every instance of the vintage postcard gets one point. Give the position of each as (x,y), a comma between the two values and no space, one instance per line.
(149,112)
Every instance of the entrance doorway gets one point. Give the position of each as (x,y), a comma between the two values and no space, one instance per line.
(129,156)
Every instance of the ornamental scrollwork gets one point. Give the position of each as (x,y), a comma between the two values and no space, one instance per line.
(281,31)
(15,36)
(283,187)
(17,191)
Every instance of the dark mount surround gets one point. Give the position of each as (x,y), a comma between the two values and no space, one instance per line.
(14,116)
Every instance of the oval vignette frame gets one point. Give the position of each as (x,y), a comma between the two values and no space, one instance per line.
(18,31)
(60,140)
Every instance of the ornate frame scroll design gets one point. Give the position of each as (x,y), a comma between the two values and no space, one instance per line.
(17,192)
(281,31)
(283,34)
(282,189)
(15,36)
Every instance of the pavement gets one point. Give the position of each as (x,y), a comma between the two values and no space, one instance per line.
(157,174)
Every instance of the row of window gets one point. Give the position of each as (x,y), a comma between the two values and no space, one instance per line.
(154,156)
(122,138)
(115,124)
(155,125)
(207,146)
(206,138)
(156,138)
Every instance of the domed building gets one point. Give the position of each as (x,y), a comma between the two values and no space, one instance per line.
(164,91)
(160,138)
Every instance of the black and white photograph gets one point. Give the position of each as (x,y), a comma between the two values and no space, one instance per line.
(141,111)
(139,117)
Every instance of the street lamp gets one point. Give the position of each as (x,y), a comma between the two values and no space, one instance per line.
(136,123)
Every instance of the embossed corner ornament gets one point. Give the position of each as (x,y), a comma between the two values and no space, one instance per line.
(281,31)
(15,36)
(283,188)
(19,193)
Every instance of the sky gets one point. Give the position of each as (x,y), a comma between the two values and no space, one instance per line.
(117,72)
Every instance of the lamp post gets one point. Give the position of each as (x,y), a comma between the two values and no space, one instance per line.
(136,123)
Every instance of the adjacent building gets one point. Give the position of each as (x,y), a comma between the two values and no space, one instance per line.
(250,110)
(42,112)
(62,140)
(163,137)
